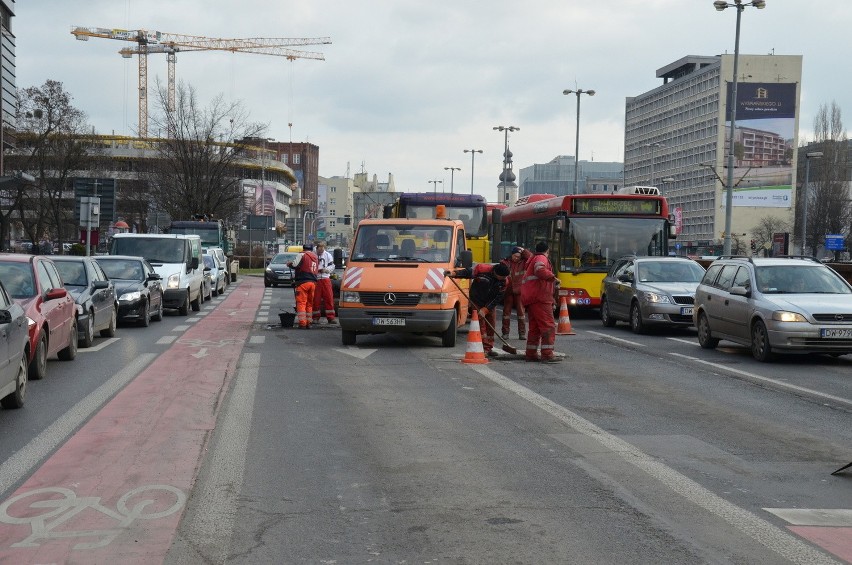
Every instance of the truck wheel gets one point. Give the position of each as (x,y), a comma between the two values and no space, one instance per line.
(183,309)
(448,338)
(196,304)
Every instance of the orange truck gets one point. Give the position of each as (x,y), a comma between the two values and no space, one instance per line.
(394,280)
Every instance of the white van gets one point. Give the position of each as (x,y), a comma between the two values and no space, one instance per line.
(176,258)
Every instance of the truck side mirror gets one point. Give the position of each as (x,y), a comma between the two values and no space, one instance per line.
(465,259)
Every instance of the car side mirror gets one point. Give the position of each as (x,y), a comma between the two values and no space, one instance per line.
(56,293)
(194,263)
(100,285)
(625,277)
(154,277)
(741,291)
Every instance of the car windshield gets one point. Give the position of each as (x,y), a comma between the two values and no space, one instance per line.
(282,258)
(122,269)
(799,279)
(18,279)
(72,273)
(209,262)
(669,271)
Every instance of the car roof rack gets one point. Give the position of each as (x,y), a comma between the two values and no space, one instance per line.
(743,257)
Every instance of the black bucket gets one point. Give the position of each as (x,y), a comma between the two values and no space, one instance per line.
(287,319)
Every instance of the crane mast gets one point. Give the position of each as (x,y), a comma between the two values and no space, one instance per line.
(149,41)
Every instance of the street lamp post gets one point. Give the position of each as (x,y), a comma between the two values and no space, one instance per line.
(806,197)
(720,6)
(472,151)
(505,174)
(578,92)
(653,146)
(435,185)
(452,170)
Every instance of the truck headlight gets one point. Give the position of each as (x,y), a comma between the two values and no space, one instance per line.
(351,297)
(174,281)
(433,298)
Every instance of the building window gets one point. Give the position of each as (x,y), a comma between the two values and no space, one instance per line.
(296,158)
(332,201)
(332,213)
(284,157)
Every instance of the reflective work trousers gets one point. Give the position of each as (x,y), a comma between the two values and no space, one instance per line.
(542,330)
(512,300)
(305,303)
(323,294)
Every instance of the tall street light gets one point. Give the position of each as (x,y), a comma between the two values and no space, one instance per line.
(653,146)
(472,151)
(720,6)
(578,92)
(452,170)
(506,159)
(806,197)
(435,185)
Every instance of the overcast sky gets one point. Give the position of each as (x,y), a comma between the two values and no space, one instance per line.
(407,85)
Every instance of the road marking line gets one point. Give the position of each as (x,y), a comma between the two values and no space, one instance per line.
(765,533)
(357,352)
(774,382)
(166,339)
(686,341)
(634,343)
(25,459)
(99,346)
(814,516)
(257,339)
(181,328)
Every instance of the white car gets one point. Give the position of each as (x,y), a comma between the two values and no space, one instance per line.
(217,273)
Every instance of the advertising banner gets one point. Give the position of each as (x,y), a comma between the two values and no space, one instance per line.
(763,144)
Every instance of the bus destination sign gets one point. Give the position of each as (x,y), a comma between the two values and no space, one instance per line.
(618,206)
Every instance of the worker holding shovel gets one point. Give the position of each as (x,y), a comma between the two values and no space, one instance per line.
(488,282)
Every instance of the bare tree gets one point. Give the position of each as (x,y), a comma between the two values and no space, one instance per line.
(198,170)
(766,227)
(53,144)
(829,210)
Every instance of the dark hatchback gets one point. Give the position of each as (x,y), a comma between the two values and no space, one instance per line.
(278,272)
(139,288)
(94,296)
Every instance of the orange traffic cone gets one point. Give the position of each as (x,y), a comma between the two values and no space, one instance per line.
(475,352)
(564,326)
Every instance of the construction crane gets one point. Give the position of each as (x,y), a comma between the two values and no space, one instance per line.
(170,43)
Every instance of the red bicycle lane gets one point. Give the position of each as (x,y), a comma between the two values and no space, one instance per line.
(116,490)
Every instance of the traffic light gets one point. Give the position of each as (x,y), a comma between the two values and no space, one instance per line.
(753,245)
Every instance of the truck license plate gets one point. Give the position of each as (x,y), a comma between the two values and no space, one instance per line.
(388,321)
(836,333)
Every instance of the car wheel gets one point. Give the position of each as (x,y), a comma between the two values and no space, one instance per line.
(636,323)
(760,348)
(89,335)
(267,284)
(16,398)
(448,337)
(70,352)
(348,337)
(145,320)
(606,318)
(183,309)
(705,338)
(196,304)
(159,315)
(109,331)
(38,366)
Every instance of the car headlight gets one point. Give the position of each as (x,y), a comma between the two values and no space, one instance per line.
(784,316)
(657,298)
(268,270)
(433,298)
(349,296)
(79,309)
(130,296)
(174,281)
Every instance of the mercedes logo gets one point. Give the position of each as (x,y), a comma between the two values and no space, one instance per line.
(390,298)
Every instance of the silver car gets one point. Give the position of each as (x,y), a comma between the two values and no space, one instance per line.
(784,305)
(650,291)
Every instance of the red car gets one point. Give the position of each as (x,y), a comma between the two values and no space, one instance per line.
(34,283)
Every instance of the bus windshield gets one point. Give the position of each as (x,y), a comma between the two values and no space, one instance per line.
(473,217)
(593,244)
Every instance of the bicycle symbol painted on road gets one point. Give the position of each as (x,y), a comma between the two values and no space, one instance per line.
(52,507)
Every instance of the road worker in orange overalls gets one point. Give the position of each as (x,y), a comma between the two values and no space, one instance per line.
(517,263)
(306,266)
(537,296)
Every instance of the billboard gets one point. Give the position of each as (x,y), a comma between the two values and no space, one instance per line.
(763,144)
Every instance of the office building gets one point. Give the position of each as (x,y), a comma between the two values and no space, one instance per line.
(557,177)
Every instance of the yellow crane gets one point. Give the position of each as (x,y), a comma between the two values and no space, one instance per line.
(170,43)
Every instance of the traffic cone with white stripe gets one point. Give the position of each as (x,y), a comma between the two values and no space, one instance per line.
(475,352)
(564,325)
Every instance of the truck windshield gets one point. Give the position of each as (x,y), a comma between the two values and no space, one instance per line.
(155,250)
(423,244)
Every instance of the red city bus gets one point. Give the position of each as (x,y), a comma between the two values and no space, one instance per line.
(586,233)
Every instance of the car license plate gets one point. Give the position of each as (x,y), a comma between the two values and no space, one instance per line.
(836,333)
(388,321)
(686,311)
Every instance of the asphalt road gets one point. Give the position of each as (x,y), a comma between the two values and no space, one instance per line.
(635,449)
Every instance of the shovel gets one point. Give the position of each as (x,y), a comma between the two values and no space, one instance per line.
(506,346)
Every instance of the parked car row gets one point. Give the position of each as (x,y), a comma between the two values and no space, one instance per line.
(771,305)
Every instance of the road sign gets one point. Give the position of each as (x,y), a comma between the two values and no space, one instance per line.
(835,242)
